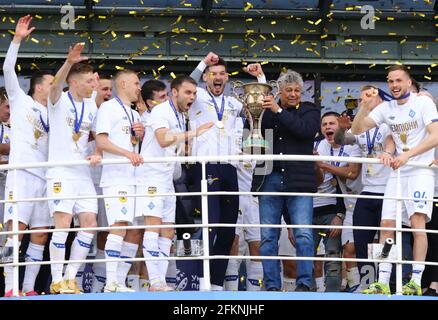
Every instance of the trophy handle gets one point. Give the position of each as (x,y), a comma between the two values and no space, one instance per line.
(275,88)
(235,86)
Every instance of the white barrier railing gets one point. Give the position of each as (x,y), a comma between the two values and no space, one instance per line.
(204,209)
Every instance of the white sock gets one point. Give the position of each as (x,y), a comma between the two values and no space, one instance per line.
(417,273)
(9,271)
(129,250)
(113,246)
(254,279)
(99,271)
(320,285)
(79,276)
(215,287)
(150,249)
(171,274)
(231,280)
(343,284)
(385,270)
(133,282)
(164,245)
(79,251)
(34,253)
(289,284)
(353,277)
(57,253)
(144,285)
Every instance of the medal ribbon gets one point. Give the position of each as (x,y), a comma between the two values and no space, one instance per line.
(220,113)
(339,154)
(77,123)
(370,144)
(45,126)
(131,120)
(387,97)
(180,126)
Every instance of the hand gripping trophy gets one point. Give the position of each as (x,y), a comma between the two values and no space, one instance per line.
(251,95)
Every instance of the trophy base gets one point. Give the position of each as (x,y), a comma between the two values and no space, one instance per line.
(253,144)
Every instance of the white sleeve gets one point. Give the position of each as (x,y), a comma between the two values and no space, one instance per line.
(61,98)
(429,113)
(355,151)
(103,121)
(11,80)
(378,114)
(158,120)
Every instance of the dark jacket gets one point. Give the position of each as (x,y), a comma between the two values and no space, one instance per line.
(294,131)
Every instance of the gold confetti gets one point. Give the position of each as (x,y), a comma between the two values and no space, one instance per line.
(384,51)
(120,68)
(172,75)
(372,66)
(273,22)
(38,17)
(276,47)
(113,34)
(248,19)
(161,68)
(133,12)
(247,6)
(264,62)
(390,18)
(128,35)
(348,40)
(348,62)
(427,77)
(324,36)
(101,17)
(34,40)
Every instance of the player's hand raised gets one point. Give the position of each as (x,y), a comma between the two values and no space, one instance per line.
(22,29)
(254,69)
(74,53)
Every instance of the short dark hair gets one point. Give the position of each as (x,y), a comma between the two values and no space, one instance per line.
(330,113)
(3,94)
(105,76)
(37,78)
(400,67)
(221,62)
(416,84)
(79,68)
(180,79)
(367,87)
(148,88)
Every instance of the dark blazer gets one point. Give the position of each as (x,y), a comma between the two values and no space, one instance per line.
(294,131)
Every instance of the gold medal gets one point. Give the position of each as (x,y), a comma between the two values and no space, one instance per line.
(220,124)
(134,140)
(334,182)
(76,136)
(37,134)
(370,169)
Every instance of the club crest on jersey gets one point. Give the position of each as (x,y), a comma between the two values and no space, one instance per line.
(57,187)
(10,195)
(90,117)
(122,199)
(152,190)
(412,113)
(124,210)
(379,136)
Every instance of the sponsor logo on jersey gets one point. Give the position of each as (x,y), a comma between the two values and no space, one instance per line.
(123,197)
(152,190)
(57,187)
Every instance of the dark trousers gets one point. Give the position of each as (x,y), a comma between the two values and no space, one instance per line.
(221,209)
(367,212)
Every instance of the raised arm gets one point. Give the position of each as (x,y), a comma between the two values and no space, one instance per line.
(74,56)
(22,30)
(362,122)
(210,59)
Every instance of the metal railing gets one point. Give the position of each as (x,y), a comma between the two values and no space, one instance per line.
(203,160)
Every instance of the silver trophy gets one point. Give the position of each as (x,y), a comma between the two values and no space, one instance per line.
(251,95)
